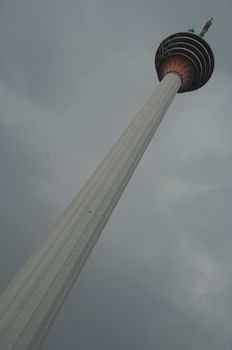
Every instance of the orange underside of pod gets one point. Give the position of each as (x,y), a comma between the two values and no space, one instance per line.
(180,65)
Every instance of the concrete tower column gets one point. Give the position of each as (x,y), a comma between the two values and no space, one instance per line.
(184,62)
(31,301)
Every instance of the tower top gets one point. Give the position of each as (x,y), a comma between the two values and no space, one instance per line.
(188,55)
(206,27)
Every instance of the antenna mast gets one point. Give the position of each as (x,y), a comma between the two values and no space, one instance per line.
(206,27)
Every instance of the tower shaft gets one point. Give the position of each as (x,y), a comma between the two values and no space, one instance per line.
(31,301)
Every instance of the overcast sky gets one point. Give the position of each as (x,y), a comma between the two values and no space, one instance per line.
(72,75)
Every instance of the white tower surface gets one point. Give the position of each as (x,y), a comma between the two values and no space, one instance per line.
(30,302)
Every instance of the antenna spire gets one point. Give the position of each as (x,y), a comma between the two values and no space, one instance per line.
(206,27)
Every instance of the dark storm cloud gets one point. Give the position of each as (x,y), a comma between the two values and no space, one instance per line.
(160,275)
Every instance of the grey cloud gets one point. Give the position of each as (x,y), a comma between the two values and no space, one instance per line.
(159,277)
(20,179)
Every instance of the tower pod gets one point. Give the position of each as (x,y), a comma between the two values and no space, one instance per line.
(188,55)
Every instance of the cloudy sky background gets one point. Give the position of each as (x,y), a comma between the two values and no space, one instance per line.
(72,76)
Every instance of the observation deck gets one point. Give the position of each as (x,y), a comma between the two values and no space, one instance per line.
(188,55)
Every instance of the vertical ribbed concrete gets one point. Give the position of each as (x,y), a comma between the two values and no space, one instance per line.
(30,302)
